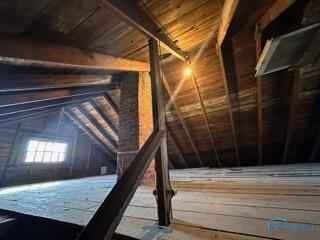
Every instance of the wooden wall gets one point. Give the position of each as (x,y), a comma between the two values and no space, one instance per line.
(83,157)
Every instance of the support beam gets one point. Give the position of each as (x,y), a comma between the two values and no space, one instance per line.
(206,120)
(134,15)
(112,103)
(30,52)
(29,82)
(104,116)
(24,116)
(108,216)
(15,99)
(164,190)
(89,132)
(296,88)
(182,121)
(94,121)
(228,12)
(226,79)
(9,111)
(177,149)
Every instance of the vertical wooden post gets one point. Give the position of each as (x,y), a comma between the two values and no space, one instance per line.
(73,153)
(164,192)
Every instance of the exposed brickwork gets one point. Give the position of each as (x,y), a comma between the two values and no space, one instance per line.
(135,120)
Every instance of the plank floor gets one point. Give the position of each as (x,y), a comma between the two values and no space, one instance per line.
(239,203)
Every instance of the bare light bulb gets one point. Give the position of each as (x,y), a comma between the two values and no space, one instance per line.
(187,72)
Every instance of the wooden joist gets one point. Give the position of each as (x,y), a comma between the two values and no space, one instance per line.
(28,82)
(68,112)
(9,100)
(9,111)
(108,216)
(111,103)
(134,15)
(104,116)
(206,120)
(225,66)
(30,52)
(100,128)
(181,120)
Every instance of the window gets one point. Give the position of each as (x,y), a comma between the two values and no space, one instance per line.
(39,151)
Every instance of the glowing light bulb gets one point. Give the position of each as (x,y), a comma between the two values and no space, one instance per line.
(187,71)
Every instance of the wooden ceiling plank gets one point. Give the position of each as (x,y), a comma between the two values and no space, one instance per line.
(28,52)
(177,149)
(100,128)
(130,12)
(181,120)
(104,116)
(206,120)
(114,106)
(296,88)
(89,132)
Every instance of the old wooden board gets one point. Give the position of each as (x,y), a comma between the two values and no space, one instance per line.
(198,213)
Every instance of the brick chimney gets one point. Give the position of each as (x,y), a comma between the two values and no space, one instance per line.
(135,121)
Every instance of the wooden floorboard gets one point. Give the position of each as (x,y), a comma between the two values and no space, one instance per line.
(236,203)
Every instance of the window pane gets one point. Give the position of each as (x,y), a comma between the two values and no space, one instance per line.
(45,151)
(30,157)
(39,156)
(32,145)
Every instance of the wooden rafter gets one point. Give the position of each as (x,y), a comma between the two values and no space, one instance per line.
(296,88)
(111,103)
(100,128)
(104,116)
(226,80)
(134,15)
(89,132)
(182,121)
(177,149)
(29,82)
(29,52)
(206,120)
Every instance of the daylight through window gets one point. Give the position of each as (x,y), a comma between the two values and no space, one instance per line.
(45,152)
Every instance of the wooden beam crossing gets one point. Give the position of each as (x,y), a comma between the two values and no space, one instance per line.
(108,216)
(134,15)
(31,52)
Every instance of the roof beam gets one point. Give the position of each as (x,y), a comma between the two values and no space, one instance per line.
(9,100)
(111,103)
(94,121)
(134,15)
(89,132)
(28,82)
(30,52)
(225,67)
(181,120)
(8,111)
(104,116)
(206,119)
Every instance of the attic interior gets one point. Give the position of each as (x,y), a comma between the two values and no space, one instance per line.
(159,119)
